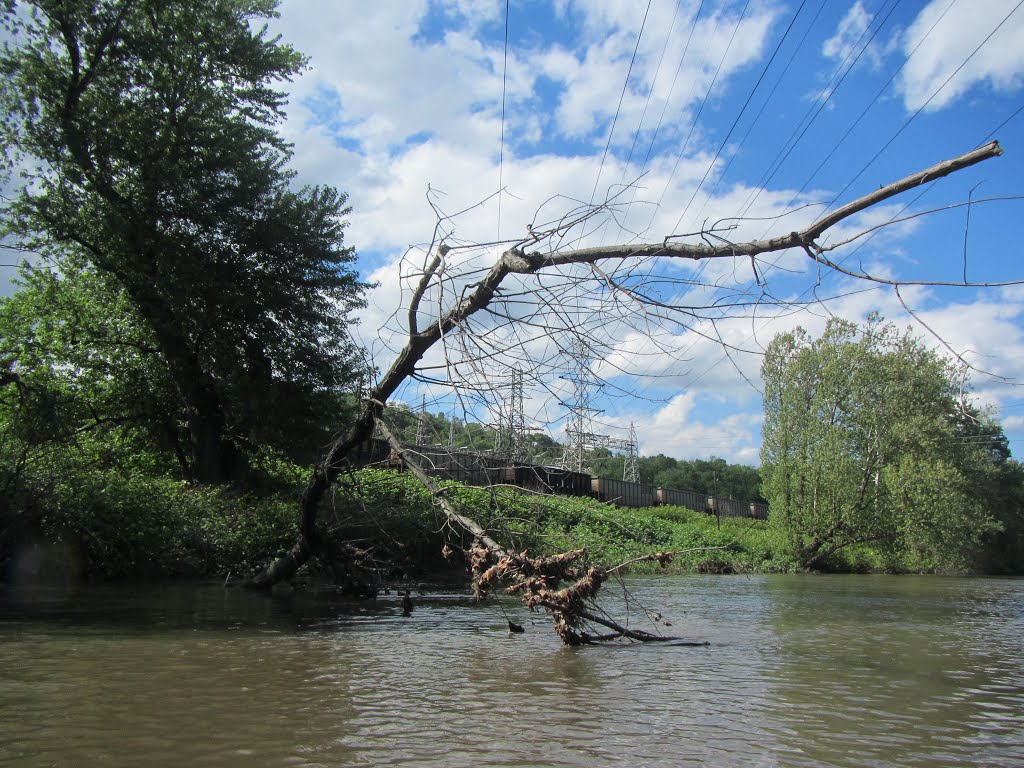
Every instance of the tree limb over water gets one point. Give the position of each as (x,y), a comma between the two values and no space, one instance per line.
(567,604)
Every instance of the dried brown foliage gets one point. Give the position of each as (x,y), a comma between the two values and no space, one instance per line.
(563,585)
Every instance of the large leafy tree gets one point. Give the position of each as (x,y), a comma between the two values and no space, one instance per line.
(146,131)
(865,441)
(83,387)
(81,359)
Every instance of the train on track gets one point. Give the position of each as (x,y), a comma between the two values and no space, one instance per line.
(488,470)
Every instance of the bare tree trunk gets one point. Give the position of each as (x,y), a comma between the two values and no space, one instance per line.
(516,261)
(454,516)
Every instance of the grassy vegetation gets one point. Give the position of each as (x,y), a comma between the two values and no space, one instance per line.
(551,524)
(125,524)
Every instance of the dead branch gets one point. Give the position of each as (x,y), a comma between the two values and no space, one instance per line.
(520,262)
(478,296)
(537,580)
(454,516)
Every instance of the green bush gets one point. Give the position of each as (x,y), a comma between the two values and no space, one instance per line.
(142,526)
(129,524)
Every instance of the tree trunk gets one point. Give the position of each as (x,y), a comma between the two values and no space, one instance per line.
(215,459)
(324,474)
(517,261)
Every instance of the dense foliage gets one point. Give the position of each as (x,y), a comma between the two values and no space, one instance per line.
(96,509)
(106,522)
(153,181)
(867,440)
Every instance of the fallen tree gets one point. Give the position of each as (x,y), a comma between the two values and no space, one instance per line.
(539,581)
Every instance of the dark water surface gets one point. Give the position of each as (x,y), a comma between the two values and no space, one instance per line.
(801,671)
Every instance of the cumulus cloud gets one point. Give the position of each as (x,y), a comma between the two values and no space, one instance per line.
(944,37)
(848,34)
(686,428)
(672,65)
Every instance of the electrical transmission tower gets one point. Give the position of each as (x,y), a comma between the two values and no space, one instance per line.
(421,422)
(580,412)
(517,418)
(511,438)
(578,439)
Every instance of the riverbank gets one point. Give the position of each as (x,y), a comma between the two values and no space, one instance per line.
(114,526)
(117,526)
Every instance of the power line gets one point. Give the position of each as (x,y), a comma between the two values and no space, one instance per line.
(700,111)
(873,101)
(1000,127)
(622,96)
(743,109)
(501,142)
(672,88)
(647,103)
(812,114)
(650,91)
(929,100)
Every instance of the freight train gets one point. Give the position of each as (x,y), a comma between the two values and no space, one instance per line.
(488,470)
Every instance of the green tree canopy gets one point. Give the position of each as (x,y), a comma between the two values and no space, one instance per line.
(146,131)
(864,442)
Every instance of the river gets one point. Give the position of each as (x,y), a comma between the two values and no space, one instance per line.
(800,671)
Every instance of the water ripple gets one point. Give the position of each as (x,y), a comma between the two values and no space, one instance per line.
(802,671)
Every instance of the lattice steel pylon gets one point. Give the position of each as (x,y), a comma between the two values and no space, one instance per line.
(631,469)
(511,438)
(576,433)
(578,438)
(517,418)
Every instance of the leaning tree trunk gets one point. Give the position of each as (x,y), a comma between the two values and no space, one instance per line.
(517,261)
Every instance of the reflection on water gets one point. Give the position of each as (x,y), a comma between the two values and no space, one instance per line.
(801,671)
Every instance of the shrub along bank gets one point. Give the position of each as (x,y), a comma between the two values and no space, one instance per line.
(116,525)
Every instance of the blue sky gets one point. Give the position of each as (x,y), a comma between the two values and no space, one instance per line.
(719,109)
(714,109)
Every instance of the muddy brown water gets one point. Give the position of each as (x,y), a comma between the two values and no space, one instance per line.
(800,671)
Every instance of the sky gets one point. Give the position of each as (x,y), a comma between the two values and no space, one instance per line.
(762,114)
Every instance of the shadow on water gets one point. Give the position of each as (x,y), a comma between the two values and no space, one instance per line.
(207,607)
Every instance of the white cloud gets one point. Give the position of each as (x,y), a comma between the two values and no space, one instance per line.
(944,39)
(387,85)
(592,75)
(848,34)
(678,429)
